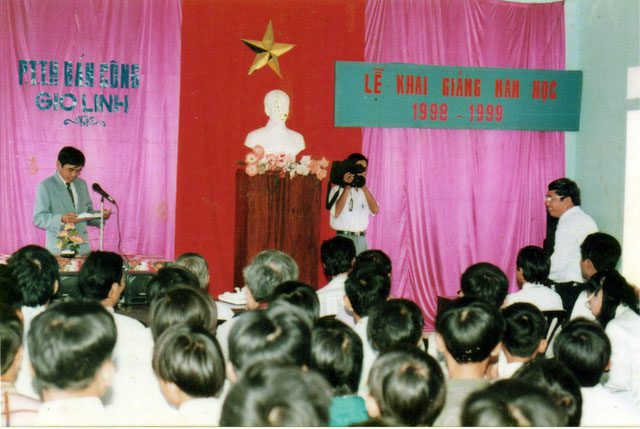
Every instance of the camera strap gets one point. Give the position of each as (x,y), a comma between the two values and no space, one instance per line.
(329,204)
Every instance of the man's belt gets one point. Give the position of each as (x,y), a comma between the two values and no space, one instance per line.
(351,233)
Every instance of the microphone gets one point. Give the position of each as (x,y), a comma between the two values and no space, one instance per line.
(102,192)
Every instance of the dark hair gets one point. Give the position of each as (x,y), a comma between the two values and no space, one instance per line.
(300,295)
(512,402)
(10,336)
(170,276)
(267,270)
(191,358)
(69,342)
(374,257)
(615,291)
(395,324)
(470,329)
(365,287)
(98,273)
(585,349)
(9,293)
(408,386)
(35,271)
(280,334)
(268,395)
(197,264)
(485,281)
(525,326)
(337,255)
(535,264)
(182,304)
(566,188)
(554,377)
(336,353)
(603,250)
(71,156)
(358,157)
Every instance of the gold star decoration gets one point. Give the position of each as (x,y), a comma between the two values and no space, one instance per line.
(267,51)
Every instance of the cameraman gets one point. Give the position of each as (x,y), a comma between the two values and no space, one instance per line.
(350,212)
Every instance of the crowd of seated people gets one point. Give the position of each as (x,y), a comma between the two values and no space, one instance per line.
(346,354)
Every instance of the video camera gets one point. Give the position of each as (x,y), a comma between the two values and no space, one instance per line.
(340,168)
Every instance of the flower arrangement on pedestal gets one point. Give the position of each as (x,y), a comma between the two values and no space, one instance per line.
(257,162)
(69,240)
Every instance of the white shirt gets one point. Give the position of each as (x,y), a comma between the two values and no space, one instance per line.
(580,308)
(25,377)
(624,333)
(85,411)
(573,227)
(537,294)
(200,412)
(369,354)
(222,335)
(73,191)
(331,295)
(600,407)
(355,214)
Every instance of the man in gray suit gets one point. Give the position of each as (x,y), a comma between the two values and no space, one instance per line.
(61,197)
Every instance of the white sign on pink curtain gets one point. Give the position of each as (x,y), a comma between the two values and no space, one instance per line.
(103,76)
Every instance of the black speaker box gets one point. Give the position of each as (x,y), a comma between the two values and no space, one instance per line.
(67,287)
(136,291)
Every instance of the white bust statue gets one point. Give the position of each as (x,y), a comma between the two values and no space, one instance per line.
(275,137)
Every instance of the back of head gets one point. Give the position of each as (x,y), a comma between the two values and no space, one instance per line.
(299,295)
(559,383)
(395,324)
(365,287)
(336,353)
(195,263)
(182,304)
(98,273)
(337,255)
(485,281)
(603,250)
(615,292)
(35,271)
(526,327)
(9,293)
(512,402)
(71,156)
(10,336)
(267,270)
(376,258)
(191,358)
(69,342)
(585,349)
(408,387)
(170,276)
(566,188)
(273,395)
(470,329)
(535,264)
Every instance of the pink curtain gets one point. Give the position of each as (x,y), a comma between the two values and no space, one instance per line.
(132,152)
(451,198)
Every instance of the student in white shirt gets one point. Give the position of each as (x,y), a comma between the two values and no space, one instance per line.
(338,255)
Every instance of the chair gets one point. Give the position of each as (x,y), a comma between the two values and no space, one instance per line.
(555,319)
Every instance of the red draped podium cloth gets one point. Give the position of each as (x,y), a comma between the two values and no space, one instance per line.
(278,213)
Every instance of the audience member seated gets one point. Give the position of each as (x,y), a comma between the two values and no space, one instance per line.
(70,345)
(375,257)
(614,303)
(190,368)
(512,403)
(406,388)
(468,334)
(532,266)
(523,340)
(299,295)
(198,265)
(17,409)
(560,384)
(485,281)
(395,324)
(585,349)
(273,395)
(337,255)
(172,275)
(336,353)
(267,270)
(366,286)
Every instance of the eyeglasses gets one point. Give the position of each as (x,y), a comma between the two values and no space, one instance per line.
(587,303)
(549,198)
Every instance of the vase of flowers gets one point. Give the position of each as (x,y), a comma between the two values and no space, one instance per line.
(257,162)
(69,240)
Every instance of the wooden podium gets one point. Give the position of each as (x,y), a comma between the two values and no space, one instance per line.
(278,213)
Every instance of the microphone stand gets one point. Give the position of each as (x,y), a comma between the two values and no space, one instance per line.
(101,222)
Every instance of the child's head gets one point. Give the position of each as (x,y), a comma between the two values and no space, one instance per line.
(10,342)
(607,290)
(9,293)
(526,329)
(337,254)
(469,329)
(168,277)
(376,258)
(365,287)
(35,272)
(485,281)
(70,346)
(407,388)
(599,252)
(100,276)
(533,265)
(195,263)
(182,304)
(336,353)
(395,324)
(585,349)
(273,395)
(298,294)
(189,364)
